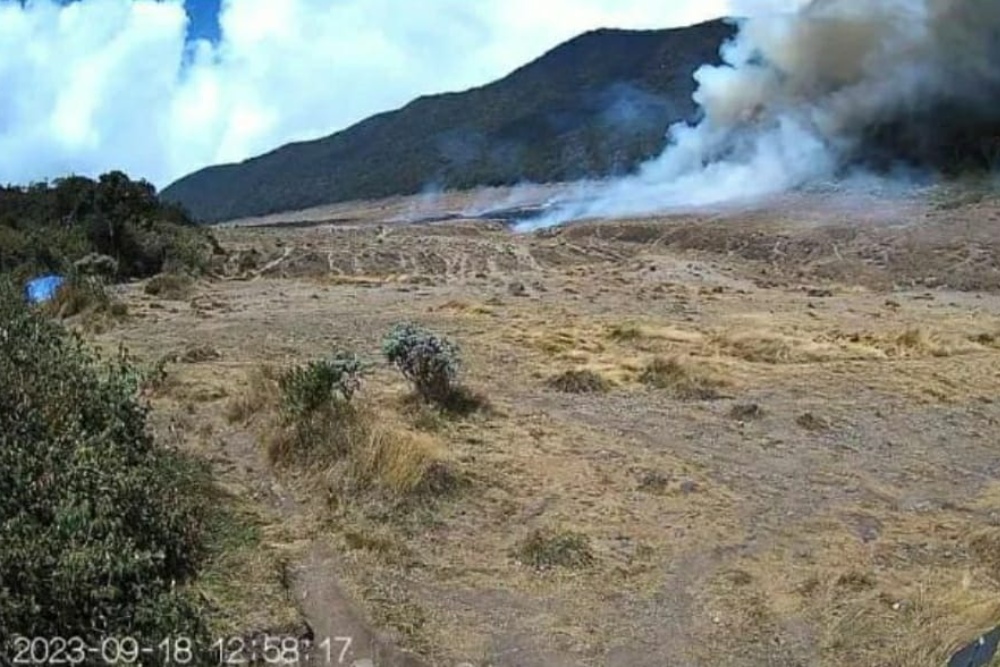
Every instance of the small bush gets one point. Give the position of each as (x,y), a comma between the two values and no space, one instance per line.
(579,382)
(99,524)
(428,361)
(306,388)
(680,380)
(544,549)
(170,286)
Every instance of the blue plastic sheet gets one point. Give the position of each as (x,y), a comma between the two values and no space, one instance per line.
(42,289)
(979,653)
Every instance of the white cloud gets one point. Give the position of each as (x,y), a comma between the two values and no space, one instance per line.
(108,84)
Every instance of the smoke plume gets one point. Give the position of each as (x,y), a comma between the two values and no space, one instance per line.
(837,86)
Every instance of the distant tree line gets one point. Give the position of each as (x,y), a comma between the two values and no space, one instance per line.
(54,226)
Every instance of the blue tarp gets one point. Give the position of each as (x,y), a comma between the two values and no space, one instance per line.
(42,289)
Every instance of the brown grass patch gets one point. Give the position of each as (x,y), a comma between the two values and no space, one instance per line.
(681,379)
(914,342)
(170,286)
(398,461)
(244,579)
(259,394)
(625,332)
(774,348)
(361,449)
(196,354)
(88,299)
(580,381)
(545,549)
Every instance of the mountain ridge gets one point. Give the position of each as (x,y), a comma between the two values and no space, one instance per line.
(596,105)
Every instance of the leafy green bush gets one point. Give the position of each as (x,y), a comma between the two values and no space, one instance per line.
(51,227)
(428,361)
(304,389)
(98,524)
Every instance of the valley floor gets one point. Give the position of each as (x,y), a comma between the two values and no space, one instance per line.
(794,462)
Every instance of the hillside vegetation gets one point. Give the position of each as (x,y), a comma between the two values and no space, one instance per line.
(99,524)
(596,105)
(113,226)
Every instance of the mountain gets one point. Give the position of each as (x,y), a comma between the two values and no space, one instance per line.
(598,104)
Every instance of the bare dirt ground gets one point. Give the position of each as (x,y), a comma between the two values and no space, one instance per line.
(833,500)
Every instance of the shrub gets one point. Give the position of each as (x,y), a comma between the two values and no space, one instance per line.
(111,226)
(317,420)
(428,361)
(306,388)
(99,524)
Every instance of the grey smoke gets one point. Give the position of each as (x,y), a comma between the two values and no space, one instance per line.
(801,97)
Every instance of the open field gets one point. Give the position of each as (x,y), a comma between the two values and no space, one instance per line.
(761,438)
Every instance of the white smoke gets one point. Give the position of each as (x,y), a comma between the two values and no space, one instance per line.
(799,94)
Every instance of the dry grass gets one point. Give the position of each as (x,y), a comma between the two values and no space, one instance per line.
(759,345)
(672,492)
(545,549)
(88,300)
(243,578)
(361,449)
(170,286)
(581,381)
(762,346)
(681,379)
(258,394)
(196,354)
(398,462)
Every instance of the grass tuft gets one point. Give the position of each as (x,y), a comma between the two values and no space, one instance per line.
(581,381)
(681,380)
(259,394)
(545,549)
(170,286)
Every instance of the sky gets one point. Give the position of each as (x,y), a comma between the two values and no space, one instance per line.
(160,88)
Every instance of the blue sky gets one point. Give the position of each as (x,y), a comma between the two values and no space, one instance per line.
(94,85)
(204,16)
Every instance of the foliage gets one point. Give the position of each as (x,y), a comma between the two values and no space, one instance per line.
(99,525)
(304,389)
(113,225)
(428,361)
